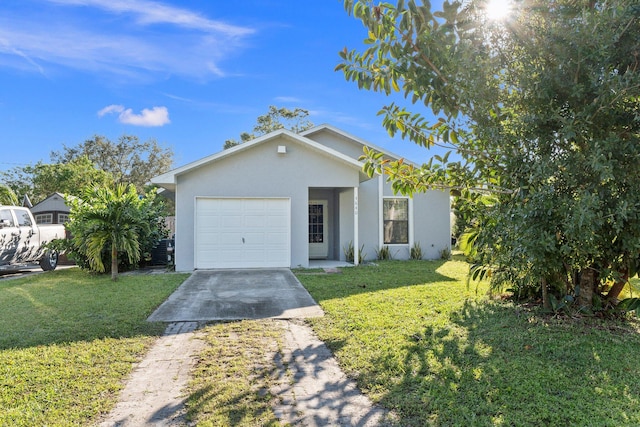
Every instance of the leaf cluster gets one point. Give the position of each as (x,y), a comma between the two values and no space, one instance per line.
(113,217)
(541,111)
(295,120)
(127,160)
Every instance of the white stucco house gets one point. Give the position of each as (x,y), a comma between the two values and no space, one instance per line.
(286,199)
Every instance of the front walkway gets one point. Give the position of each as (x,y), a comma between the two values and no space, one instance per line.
(153,396)
(312,388)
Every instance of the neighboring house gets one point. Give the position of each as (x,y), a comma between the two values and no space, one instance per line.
(284,199)
(51,210)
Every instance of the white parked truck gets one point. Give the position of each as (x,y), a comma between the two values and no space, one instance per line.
(22,240)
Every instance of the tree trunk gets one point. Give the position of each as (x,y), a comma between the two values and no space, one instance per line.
(545,294)
(587,288)
(114,262)
(617,287)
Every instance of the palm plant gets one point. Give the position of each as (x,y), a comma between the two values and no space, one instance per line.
(112,220)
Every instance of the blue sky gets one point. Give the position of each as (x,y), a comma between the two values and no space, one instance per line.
(189,74)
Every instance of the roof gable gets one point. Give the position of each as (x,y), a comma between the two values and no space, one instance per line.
(169,179)
(315,133)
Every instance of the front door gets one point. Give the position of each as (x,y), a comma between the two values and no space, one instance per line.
(318,230)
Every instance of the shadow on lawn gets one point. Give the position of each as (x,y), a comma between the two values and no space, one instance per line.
(68,306)
(487,369)
(377,276)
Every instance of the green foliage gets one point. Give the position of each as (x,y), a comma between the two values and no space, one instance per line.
(7,196)
(416,251)
(277,118)
(127,160)
(95,162)
(112,226)
(349,253)
(384,253)
(43,179)
(541,110)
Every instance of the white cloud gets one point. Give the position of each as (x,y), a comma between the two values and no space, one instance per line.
(188,45)
(111,109)
(288,99)
(151,12)
(156,116)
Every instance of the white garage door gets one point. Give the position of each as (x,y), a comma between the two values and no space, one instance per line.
(242,233)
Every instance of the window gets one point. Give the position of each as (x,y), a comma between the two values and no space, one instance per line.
(395,213)
(62,218)
(44,218)
(316,223)
(6,218)
(24,219)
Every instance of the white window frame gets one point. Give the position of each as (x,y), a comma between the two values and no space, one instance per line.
(409,221)
(62,218)
(44,218)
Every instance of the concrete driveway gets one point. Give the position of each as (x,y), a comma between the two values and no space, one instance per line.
(238,294)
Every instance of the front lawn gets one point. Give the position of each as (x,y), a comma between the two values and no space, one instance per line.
(436,353)
(69,338)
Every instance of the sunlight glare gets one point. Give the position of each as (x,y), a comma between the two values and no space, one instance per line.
(498,9)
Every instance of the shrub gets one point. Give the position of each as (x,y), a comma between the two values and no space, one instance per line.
(416,251)
(349,253)
(384,253)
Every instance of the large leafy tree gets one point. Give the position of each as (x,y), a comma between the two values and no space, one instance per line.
(109,223)
(295,120)
(542,110)
(128,160)
(43,179)
(97,161)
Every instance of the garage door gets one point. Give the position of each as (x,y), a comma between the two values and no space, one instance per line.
(242,233)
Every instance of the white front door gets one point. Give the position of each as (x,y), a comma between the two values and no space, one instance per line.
(318,230)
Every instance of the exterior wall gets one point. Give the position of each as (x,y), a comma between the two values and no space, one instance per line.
(369,218)
(346,219)
(337,142)
(56,217)
(53,203)
(432,223)
(260,172)
(429,223)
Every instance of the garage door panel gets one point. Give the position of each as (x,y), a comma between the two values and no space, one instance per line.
(227,239)
(230,221)
(242,233)
(255,221)
(277,239)
(253,239)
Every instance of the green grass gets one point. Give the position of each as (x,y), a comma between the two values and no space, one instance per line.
(436,353)
(230,385)
(69,339)
(411,333)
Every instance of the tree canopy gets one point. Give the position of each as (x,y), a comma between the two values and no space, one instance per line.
(128,161)
(542,111)
(277,118)
(43,179)
(95,162)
